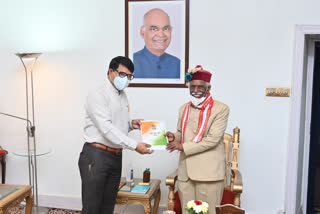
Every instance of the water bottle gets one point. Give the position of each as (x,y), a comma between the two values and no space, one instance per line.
(130,173)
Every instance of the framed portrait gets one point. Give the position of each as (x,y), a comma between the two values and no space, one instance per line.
(157,41)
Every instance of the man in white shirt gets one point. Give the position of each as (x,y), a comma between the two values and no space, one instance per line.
(107,124)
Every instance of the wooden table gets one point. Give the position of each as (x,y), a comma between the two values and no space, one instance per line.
(12,198)
(144,199)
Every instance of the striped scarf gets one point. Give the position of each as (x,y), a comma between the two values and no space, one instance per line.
(205,112)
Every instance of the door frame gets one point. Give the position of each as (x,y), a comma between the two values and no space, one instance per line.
(301,35)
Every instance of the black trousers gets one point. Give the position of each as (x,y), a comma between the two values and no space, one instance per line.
(100,172)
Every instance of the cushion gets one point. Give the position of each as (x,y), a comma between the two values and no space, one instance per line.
(177,204)
(228,197)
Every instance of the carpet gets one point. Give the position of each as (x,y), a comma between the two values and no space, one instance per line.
(18,210)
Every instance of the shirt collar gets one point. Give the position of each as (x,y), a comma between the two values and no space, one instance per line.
(111,87)
(153,57)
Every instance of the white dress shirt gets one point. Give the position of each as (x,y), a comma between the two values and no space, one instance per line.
(107,119)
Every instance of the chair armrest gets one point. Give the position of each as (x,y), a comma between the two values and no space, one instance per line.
(171,183)
(236,185)
(171,179)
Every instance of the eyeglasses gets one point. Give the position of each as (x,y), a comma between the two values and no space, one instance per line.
(123,75)
(155,29)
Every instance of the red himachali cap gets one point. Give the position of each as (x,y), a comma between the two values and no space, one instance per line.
(201,74)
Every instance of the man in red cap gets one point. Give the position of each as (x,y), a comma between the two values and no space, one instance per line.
(199,138)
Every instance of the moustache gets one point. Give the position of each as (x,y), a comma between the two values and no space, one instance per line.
(196,93)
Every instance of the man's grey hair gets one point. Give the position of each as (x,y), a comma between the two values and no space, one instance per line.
(146,14)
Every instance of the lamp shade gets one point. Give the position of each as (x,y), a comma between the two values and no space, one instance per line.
(28,55)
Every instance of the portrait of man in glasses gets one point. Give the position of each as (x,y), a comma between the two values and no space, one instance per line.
(152,61)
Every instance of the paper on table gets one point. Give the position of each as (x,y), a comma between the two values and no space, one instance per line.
(153,133)
(125,188)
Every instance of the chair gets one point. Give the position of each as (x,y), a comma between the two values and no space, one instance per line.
(233,179)
(229,209)
(3,154)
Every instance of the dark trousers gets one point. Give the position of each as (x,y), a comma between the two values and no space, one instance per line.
(100,172)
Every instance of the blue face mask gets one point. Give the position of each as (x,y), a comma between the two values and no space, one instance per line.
(121,82)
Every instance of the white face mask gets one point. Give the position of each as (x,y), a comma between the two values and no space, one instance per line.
(121,82)
(196,101)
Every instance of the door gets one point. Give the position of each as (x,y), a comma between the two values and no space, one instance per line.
(313,194)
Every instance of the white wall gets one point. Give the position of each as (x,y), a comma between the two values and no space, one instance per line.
(248,45)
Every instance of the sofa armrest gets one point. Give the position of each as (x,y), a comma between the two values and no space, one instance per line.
(171,183)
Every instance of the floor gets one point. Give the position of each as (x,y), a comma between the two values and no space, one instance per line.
(134,209)
(123,209)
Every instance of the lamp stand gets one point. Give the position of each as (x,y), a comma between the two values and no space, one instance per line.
(32,148)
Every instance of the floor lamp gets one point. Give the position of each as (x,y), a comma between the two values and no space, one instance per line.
(30,118)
